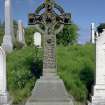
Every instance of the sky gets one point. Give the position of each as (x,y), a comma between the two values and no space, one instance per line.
(83,12)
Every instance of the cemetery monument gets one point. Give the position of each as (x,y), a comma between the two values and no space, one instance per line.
(3,82)
(49,89)
(98,97)
(8,39)
(93,33)
(37,39)
(20,33)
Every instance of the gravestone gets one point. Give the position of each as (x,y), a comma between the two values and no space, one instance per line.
(37,39)
(49,89)
(8,38)
(99,88)
(3,86)
(93,33)
(20,33)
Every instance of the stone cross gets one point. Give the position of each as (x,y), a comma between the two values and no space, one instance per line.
(37,39)
(49,89)
(20,33)
(93,33)
(9,36)
(3,86)
(99,88)
(49,23)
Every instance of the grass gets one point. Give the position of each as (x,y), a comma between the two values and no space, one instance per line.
(21,76)
(76,65)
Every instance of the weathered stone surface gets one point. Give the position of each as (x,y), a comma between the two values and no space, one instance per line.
(50,91)
(97,100)
(99,88)
(7,44)
(49,60)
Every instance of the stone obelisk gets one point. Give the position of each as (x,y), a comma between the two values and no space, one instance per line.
(93,33)
(20,33)
(99,88)
(7,44)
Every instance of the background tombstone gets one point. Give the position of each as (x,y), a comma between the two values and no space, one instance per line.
(93,33)
(20,33)
(99,88)
(8,38)
(37,39)
(3,86)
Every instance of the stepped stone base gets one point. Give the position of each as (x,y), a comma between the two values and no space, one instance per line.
(50,90)
(5,100)
(98,100)
(99,95)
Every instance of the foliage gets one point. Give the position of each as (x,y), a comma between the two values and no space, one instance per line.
(78,70)
(68,35)
(101,27)
(25,65)
(15,27)
(21,79)
(29,35)
(1,32)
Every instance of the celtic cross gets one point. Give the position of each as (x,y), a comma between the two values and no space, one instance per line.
(49,18)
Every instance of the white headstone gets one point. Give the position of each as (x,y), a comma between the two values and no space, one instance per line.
(37,39)
(93,33)
(3,87)
(8,37)
(20,33)
(99,89)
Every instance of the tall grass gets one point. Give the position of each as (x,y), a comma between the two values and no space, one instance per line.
(21,76)
(76,65)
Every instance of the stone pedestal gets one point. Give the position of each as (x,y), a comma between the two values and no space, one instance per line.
(99,95)
(50,90)
(5,99)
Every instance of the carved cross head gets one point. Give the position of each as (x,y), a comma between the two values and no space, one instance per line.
(47,16)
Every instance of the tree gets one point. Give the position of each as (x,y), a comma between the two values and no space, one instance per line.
(1,31)
(101,27)
(29,35)
(68,35)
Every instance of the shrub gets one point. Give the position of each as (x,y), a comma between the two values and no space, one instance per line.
(21,79)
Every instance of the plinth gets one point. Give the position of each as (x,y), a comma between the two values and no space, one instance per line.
(50,90)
